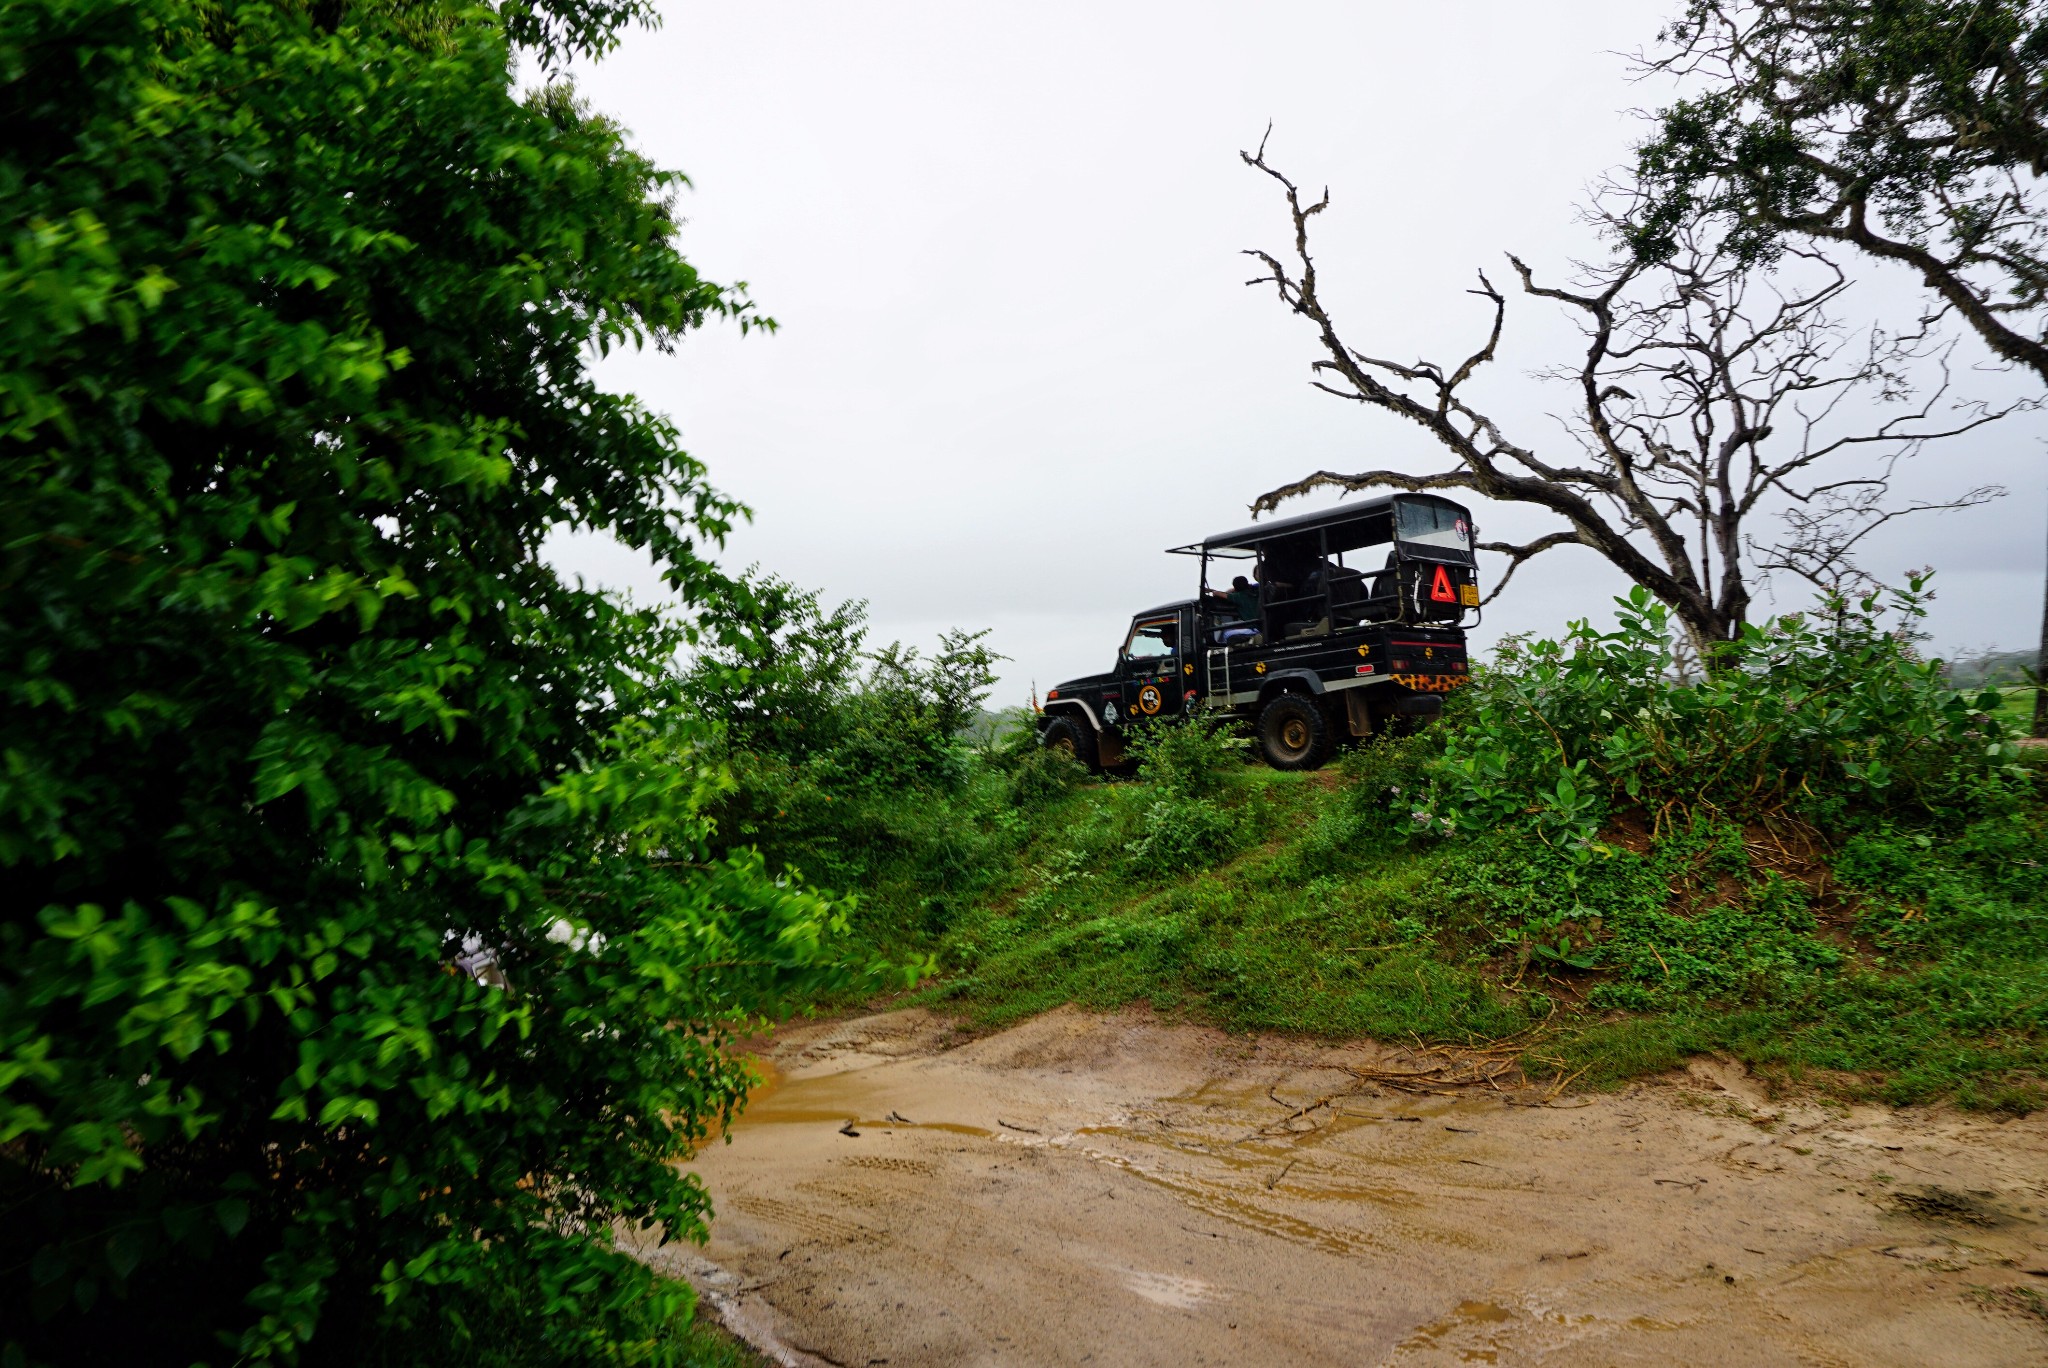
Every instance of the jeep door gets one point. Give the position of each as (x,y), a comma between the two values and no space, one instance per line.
(1150,667)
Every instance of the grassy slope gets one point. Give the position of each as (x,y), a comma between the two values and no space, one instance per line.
(1901,964)
(1263,937)
(707,1345)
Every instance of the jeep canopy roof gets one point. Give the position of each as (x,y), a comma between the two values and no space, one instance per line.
(1424,519)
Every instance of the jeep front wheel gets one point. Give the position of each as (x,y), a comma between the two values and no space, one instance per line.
(1072,736)
(1294,734)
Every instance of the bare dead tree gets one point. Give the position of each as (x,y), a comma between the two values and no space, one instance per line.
(1712,394)
(1817,538)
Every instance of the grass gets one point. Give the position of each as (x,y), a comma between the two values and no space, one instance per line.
(707,1345)
(1256,939)
(2016,710)
(1890,962)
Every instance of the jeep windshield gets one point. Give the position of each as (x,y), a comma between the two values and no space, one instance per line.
(1436,526)
(1152,638)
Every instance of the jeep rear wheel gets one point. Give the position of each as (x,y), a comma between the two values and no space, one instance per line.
(1072,736)
(1295,734)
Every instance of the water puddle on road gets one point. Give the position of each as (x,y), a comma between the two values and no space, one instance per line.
(1467,1317)
(799,1116)
(844,1099)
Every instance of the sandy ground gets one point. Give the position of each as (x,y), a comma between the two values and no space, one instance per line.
(1111,1190)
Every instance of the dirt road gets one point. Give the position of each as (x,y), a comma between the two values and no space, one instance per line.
(1110,1190)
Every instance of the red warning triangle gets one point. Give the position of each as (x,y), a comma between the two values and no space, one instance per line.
(1440,590)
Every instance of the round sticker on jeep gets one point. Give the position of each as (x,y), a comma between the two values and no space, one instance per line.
(1149,700)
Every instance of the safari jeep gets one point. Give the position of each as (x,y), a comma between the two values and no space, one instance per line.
(1313,635)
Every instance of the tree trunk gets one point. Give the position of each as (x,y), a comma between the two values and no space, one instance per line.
(1708,631)
(2041,672)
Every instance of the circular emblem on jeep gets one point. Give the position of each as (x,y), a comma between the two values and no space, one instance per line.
(1149,700)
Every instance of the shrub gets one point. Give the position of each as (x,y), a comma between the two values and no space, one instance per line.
(1039,776)
(860,768)
(1179,833)
(1193,758)
(1385,780)
(1822,720)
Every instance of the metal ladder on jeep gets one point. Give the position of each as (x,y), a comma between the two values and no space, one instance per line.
(1216,678)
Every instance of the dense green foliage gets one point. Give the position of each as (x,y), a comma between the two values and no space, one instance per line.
(366,944)
(861,769)
(378,903)
(1850,115)
(1818,719)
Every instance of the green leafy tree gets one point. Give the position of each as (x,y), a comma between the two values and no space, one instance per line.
(858,767)
(1911,131)
(1915,131)
(365,950)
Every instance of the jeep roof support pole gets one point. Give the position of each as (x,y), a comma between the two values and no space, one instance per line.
(1328,606)
(1403,580)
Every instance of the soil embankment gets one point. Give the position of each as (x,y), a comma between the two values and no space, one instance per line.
(1111,1190)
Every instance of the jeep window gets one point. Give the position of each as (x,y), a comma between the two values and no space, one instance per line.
(1150,640)
(1434,524)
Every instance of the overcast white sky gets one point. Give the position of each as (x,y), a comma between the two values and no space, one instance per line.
(1017,356)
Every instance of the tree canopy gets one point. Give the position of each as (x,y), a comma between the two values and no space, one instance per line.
(365,954)
(1910,130)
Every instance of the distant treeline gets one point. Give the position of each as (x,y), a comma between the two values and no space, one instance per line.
(1990,667)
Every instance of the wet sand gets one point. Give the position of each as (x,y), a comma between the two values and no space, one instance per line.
(1112,1190)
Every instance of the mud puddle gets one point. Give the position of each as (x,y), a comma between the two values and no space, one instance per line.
(1109,1190)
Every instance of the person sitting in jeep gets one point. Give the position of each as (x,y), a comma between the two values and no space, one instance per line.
(1242,598)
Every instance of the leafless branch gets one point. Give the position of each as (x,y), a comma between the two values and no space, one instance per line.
(1517,554)
(1710,393)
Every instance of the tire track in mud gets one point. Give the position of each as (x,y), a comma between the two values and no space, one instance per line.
(1230,1199)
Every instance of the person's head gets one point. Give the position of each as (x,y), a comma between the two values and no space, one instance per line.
(1240,582)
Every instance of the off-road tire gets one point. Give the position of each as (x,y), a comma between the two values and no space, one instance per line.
(1294,733)
(1073,736)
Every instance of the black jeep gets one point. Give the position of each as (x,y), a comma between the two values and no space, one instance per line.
(1308,647)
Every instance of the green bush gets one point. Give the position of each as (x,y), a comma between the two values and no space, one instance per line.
(1178,833)
(1187,823)
(1823,720)
(367,945)
(1037,776)
(1376,805)
(860,768)
(1192,758)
